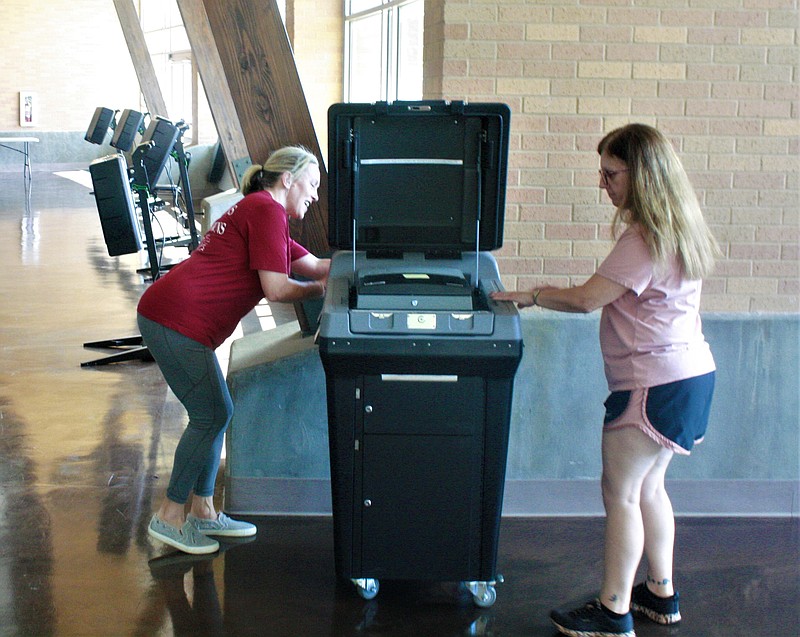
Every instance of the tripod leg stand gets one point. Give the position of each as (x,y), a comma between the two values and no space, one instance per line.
(128,348)
(183,167)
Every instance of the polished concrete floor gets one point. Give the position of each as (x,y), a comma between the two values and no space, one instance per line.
(86,452)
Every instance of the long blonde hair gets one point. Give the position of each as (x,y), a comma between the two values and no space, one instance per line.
(661,200)
(291,159)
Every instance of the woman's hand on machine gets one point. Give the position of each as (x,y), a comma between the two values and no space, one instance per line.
(522,299)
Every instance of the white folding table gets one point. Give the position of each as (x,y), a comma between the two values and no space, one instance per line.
(25,151)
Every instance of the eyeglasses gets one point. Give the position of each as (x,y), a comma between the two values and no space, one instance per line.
(608,175)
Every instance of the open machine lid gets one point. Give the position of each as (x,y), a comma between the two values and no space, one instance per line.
(427,176)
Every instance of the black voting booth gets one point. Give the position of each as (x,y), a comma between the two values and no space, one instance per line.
(114,185)
(419,361)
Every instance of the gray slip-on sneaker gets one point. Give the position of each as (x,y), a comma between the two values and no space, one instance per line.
(187,539)
(222,526)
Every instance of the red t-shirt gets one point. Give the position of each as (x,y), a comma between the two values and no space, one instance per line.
(205,296)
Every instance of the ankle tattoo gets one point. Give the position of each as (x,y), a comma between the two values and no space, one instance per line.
(660,582)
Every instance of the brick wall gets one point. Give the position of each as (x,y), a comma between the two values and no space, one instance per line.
(719,77)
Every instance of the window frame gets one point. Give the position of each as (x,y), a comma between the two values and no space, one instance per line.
(390,12)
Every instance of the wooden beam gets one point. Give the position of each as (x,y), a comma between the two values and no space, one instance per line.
(145,71)
(218,94)
(265,87)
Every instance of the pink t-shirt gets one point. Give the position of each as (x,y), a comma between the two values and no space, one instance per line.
(652,334)
(205,296)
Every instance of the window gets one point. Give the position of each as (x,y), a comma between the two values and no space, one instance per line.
(383,49)
(176,70)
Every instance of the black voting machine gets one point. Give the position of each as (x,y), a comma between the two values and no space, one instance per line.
(419,361)
(126,192)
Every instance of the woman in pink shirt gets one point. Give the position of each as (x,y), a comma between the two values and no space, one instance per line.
(659,368)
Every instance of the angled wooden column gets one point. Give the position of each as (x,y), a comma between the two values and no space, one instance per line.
(142,62)
(265,87)
(218,94)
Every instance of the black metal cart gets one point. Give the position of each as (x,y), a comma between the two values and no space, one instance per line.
(419,361)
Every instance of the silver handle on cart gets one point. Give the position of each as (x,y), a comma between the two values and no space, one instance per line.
(420,378)
(411,161)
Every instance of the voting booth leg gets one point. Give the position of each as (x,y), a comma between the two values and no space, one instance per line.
(129,348)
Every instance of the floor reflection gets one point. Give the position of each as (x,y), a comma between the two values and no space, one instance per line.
(193,602)
(26,567)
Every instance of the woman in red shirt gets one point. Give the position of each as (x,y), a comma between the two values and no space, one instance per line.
(185,315)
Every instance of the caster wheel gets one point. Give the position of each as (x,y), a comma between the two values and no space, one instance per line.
(486,598)
(367,587)
(484,594)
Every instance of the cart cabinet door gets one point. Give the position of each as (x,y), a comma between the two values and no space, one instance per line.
(415,404)
(421,488)
(421,507)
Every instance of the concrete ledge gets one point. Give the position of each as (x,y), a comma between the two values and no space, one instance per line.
(280,425)
(264,348)
(540,498)
(278,496)
(749,464)
(690,498)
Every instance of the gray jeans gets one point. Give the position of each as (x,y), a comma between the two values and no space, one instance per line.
(193,374)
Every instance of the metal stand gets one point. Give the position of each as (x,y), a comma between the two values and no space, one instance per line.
(183,167)
(142,191)
(130,348)
(140,185)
